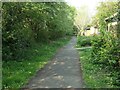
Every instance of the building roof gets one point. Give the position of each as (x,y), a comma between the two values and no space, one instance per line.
(112,18)
(87,28)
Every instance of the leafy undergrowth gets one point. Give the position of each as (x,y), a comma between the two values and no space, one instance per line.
(17,73)
(93,75)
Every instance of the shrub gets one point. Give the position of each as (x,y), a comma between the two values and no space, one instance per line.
(84,41)
(26,23)
(106,53)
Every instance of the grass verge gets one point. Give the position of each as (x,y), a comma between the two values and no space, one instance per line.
(93,75)
(17,73)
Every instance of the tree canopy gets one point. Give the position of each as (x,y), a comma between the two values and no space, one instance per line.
(28,22)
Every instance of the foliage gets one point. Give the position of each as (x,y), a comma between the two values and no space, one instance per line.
(17,73)
(104,10)
(94,76)
(27,23)
(106,52)
(76,30)
(106,46)
(84,41)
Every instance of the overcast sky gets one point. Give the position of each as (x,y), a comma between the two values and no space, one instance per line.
(91,4)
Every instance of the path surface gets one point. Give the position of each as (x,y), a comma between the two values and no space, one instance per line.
(62,72)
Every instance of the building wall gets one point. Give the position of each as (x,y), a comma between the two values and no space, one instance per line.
(112,27)
(92,31)
(112,24)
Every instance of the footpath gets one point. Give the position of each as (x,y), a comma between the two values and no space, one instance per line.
(63,71)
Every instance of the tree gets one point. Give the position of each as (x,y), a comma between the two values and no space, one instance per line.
(27,23)
(82,18)
(104,10)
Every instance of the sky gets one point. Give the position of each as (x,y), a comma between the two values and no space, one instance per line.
(91,4)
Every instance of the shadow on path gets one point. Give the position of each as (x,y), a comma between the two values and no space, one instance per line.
(62,72)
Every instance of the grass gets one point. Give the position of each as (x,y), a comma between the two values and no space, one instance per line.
(17,73)
(93,75)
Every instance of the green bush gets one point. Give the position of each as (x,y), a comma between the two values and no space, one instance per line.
(106,46)
(76,30)
(26,23)
(106,53)
(84,41)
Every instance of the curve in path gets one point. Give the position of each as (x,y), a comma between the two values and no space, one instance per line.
(63,71)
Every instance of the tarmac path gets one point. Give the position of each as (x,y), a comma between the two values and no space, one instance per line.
(63,71)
